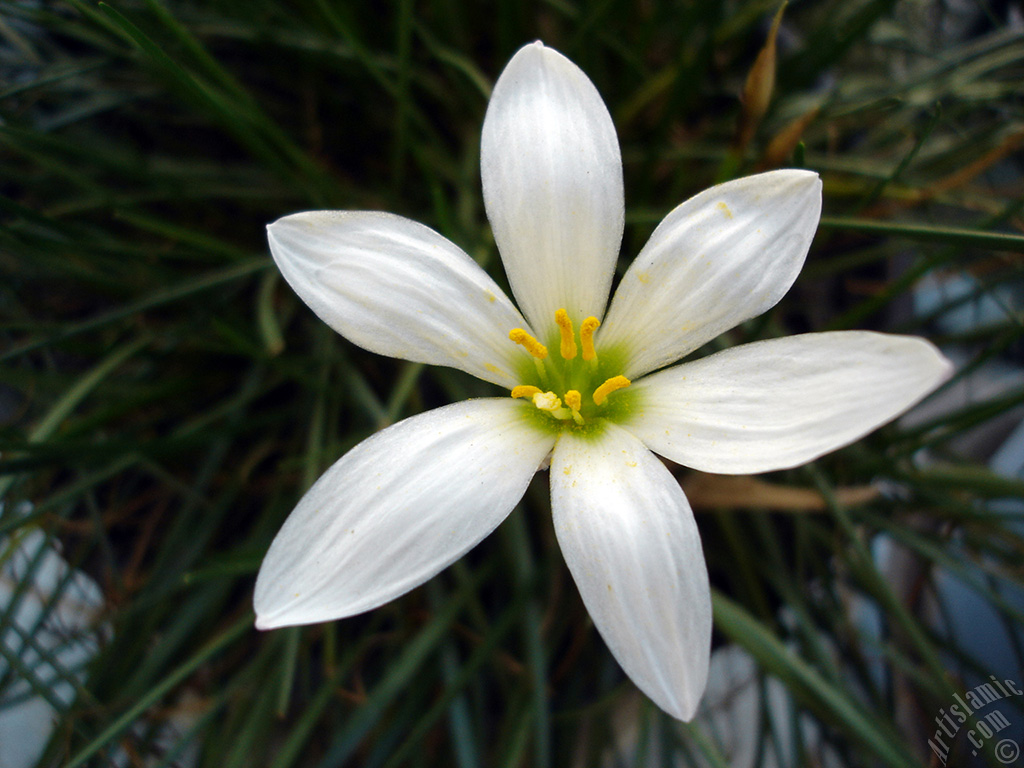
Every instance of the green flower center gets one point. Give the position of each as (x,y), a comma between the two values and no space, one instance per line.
(577,387)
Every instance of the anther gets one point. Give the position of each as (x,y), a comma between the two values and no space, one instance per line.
(573,399)
(525,390)
(587,338)
(614,383)
(530,344)
(568,347)
(575,402)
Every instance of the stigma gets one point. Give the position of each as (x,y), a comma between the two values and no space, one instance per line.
(561,380)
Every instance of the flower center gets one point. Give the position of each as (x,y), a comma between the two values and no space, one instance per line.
(555,384)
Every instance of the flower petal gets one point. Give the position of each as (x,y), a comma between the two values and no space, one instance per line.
(629,538)
(552,179)
(720,258)
(780,403)
(398,288)
(398,508)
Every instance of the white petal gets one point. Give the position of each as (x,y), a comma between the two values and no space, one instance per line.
(720,258)
(629,538)
(552,178)
(398,288)
(781,403)
(398,508)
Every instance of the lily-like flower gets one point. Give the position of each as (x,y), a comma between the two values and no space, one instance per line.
(589,389)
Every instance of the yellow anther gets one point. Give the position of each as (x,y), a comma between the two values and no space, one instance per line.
(568,348)
(575,402)
(614,383)
(587,338)
(547,401)
(530,344)
(525,390)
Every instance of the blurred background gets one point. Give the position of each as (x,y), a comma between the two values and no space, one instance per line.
(165,399)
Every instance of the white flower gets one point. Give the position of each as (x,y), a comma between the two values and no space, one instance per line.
(413,498)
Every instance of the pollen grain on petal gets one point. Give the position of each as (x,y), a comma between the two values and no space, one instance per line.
(492,368)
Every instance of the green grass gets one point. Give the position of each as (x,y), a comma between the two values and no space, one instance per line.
(169,398)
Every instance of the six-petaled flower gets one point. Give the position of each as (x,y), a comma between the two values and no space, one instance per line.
(590,390)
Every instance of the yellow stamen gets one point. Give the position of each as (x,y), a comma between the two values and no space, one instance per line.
(547,401)
(568,348)
(575,402)
(573,399)
(525,390)
(614,383)
(530,344)
(587,338)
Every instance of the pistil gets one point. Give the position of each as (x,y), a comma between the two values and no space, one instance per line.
(557,374)
(547,401)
